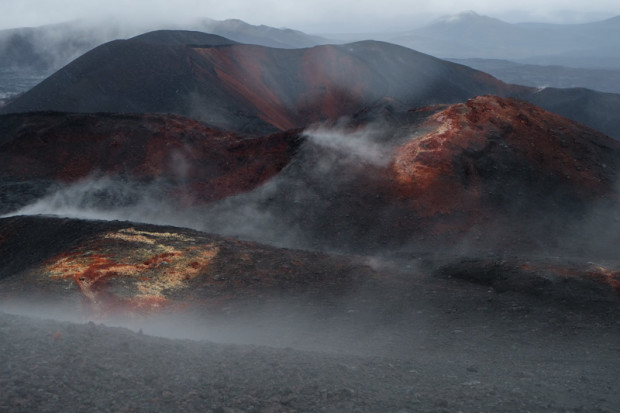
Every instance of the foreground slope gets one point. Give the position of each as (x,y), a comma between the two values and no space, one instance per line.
(452,349)
(470,35)
(107,268)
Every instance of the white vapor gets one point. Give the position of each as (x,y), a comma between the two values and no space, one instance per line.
(271,213)
(102,198)
(359,145)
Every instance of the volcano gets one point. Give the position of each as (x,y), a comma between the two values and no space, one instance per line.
(357,199)
(492,173)
(256,90)
(250,88)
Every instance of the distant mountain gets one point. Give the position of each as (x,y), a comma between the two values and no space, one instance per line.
(45,49)
(254,89)
(602,80)
(469,35)
(243,32)
(123,268)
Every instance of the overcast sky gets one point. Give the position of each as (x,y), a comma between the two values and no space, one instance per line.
(318,16)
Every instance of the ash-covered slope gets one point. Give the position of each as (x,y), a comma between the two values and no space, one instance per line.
(251,88)
(491,173)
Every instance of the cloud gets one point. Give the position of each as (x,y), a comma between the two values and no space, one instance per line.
(318,16)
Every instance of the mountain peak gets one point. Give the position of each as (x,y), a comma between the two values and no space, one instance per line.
(181,37)
(466,17)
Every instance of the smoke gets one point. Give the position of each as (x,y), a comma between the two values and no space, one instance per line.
(315,197)
(103,198)
(358,146)
(318,201)
(596,235)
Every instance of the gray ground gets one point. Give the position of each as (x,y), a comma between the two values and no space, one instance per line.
(440,345)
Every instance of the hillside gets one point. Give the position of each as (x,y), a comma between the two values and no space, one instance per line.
(388,179)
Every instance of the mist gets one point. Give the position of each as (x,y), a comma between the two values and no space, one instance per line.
(330,161)
(103,198)
(325,200)
(498,318)
(318,17)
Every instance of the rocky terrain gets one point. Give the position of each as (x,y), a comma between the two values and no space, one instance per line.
(358,228)
(215,324)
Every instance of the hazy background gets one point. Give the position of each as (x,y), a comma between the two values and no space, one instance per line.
(319,16)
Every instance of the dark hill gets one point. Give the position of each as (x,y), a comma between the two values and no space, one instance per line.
(586,106)
(255,89)
(122,267)
(252,88)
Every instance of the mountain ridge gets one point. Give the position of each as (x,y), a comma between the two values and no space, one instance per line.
(470,35)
